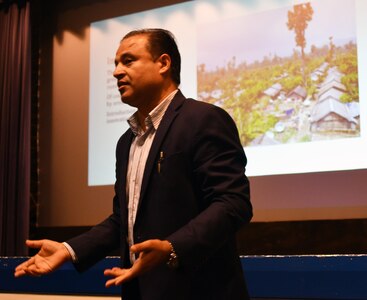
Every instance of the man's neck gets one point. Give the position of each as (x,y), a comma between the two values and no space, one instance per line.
(143,112)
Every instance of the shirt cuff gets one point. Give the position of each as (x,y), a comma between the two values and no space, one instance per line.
(74,258)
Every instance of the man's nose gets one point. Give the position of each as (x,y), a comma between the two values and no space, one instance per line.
(119,71)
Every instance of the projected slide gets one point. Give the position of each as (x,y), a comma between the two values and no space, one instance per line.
(291,74)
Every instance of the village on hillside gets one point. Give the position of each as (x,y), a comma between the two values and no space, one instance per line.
(305,97)
(311,117)
(296,115)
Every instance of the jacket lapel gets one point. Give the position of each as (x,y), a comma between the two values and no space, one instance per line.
(169,116)
(124,153)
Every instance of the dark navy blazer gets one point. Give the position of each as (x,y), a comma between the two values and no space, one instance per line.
(197,200)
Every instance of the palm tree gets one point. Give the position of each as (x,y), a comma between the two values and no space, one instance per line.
(298,21)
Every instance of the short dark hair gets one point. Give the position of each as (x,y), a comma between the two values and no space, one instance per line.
(161,41)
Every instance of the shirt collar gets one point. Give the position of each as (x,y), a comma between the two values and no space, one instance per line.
(153,119)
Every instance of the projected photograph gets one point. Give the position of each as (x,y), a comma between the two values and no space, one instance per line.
(286,75)
(292,74)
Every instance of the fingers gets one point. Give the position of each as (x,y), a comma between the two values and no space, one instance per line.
(25,264)
(20,270)
(28,268)
(19,273)
(120,276)
(113,272)
(110,283)
(33,270)
(45,261)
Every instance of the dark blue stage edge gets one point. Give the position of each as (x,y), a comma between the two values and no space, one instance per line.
(268,277)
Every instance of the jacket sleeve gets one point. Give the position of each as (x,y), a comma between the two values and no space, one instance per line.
(219,165)
(101,239)
(95,244)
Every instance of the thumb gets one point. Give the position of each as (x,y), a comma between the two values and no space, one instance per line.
(140,247)
(34,243)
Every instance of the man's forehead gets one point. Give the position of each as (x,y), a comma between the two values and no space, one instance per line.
(136,41)
(133,45)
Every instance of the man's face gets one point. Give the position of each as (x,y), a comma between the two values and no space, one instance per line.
(137,73)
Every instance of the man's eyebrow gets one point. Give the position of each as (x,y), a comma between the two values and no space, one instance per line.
(120,57)
(126,54)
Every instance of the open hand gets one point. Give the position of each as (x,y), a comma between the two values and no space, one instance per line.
(50,256)
(151,254)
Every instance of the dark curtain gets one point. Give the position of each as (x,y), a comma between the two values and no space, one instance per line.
(15,122)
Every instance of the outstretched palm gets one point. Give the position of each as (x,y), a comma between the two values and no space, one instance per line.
(151,254)
(51,255)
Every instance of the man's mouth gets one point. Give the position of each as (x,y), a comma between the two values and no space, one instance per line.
(121,86)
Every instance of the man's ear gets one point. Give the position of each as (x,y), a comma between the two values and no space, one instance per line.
(165,61)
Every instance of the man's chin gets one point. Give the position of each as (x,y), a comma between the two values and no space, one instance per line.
(124,98)
(127,100)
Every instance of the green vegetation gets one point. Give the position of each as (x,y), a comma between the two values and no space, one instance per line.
(242,87)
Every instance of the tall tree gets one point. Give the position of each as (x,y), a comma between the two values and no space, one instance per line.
(331,50)
(298,21)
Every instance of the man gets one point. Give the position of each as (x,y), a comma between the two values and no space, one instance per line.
(180,193)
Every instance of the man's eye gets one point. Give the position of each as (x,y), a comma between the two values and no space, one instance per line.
(128,61)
